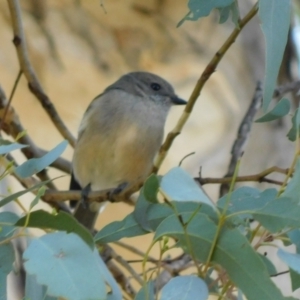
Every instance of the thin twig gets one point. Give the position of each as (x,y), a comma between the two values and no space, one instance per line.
(33,82)
(242,135)
(126,266)
(209,70)
(260,177)
(10,98)
(12,126)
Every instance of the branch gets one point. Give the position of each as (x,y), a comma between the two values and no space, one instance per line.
(33,82)
(242,135)
(209,70)
(260,177)
(12,126)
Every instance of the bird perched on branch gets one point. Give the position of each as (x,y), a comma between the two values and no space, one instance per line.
(119,136)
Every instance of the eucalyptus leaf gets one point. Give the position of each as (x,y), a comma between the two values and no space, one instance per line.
(202,8)
(35,165)
(3,286)
(185,287)
(35,291)
(7,221)
(7,258)
(178,185)
(279,214)
(295,279)
(292,189)
(146,292)
(275,16)
(280,110)
(60,221)
(291,259)
(75,273)
(9,147)
(14,196)
(294,131)
(232,251)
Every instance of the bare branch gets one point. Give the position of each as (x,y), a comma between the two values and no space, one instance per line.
(13,127)
(243,135)
(33,82)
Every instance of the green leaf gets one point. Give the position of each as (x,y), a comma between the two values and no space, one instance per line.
(279,214)
(294,236)
(7,258)
(35,165)
(281,109)
(7,221)
(7,146)
(141,209)
(35,291)
(115,293)
(61,221)
(146,292)
(150,188)
(185,287)
(3,286)
(295,280)
(202,8)
(294,131)
(246,200)
(178,185)
(292,260)
(75,270)
(275,16)
(225,12)
(292,189)
(39,194)
(233,252)
(129,226)
(14,196)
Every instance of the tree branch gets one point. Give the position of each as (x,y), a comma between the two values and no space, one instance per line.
(13,127)
(242,135)
(209,70)
(25,65)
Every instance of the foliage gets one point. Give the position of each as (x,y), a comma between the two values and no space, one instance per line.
(221,240)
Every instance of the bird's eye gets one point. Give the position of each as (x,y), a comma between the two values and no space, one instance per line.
(155,86)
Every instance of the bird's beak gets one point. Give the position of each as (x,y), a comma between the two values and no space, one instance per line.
(178,101)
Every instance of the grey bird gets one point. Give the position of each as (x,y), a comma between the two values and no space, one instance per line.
(119,136)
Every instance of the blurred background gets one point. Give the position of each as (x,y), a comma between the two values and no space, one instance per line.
(79,47)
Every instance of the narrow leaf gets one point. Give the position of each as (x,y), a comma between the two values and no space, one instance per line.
(6,148)
(281,109)
(275,16)
(35,165)
(294,131)
(60,221)
(14,196)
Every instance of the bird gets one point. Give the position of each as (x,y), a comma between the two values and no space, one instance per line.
(119,135)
